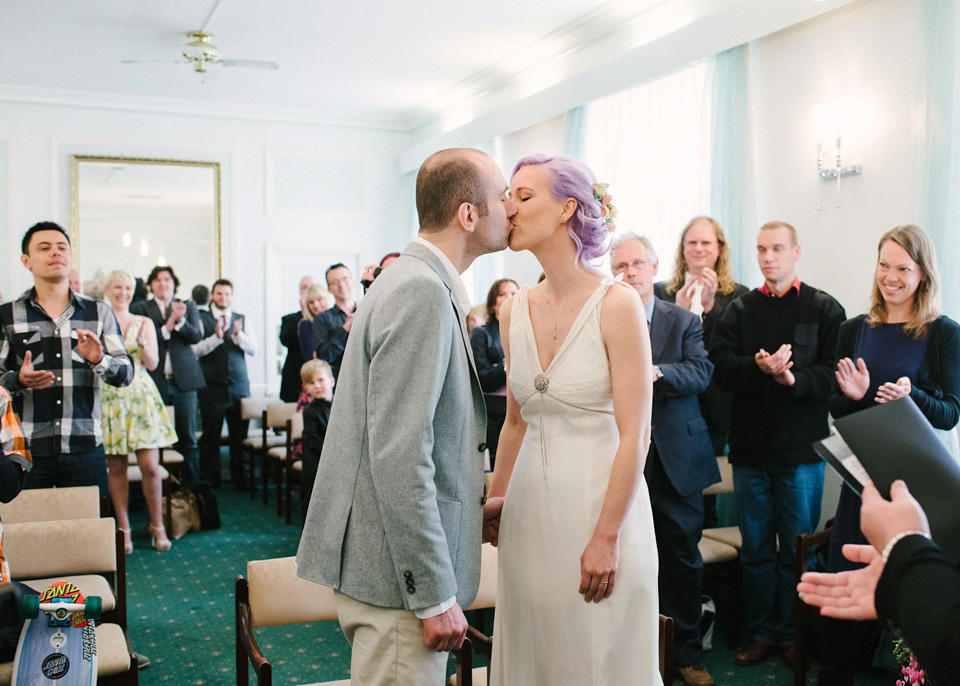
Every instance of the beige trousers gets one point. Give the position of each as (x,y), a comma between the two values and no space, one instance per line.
(388,648)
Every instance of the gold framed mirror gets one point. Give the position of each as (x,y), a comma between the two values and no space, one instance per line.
(137,213)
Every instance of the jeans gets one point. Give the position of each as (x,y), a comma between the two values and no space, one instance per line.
(185,421)
(69,469)
(774,503)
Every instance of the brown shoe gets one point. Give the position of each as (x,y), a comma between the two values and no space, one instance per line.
(789,654)
(754,653)
(695,675)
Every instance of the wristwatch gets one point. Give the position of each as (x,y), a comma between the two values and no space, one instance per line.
(656,370)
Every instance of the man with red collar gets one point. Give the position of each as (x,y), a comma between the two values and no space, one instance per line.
(774,349)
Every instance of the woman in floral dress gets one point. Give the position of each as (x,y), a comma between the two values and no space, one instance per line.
(134,418)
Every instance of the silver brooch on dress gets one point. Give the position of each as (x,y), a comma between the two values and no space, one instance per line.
(540,383)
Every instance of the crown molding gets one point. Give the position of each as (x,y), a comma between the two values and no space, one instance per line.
(110,101)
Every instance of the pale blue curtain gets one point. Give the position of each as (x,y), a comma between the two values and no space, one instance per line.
(574,132)
(732,187)
(940,141)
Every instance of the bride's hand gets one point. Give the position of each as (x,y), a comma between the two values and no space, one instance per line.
(491,520)
(598,568)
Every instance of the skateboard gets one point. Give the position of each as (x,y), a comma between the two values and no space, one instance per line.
(58,644)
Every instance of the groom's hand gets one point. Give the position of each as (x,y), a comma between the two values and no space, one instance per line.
(446,631)
(491,520)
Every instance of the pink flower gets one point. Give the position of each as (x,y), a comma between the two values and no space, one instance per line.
(606,199)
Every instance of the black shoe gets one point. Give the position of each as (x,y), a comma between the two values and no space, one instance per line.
(142,661)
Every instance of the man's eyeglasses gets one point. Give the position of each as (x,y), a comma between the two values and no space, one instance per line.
(636,264)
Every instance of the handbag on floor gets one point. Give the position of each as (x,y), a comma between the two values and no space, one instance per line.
(184,511)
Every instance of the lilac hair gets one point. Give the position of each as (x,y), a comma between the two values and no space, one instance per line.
(571,178)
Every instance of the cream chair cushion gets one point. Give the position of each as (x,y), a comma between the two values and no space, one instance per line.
(715,552)
(725,485)
(479,676)
(52,504)
(134,474)
(272,440)
(46,549)
(297,466)
(89,585)
(343,682)
(726,534)
(278,453)
(278,596)
(112,655)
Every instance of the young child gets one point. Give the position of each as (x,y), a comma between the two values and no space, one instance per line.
(317,377)
(15,462)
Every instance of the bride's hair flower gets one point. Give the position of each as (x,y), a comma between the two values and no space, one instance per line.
(607,209)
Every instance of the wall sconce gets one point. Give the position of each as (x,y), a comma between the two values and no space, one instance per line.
(830,123)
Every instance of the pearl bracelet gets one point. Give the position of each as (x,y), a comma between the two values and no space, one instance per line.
(885,555)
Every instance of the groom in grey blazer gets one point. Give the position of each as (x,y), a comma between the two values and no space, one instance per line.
(394,523)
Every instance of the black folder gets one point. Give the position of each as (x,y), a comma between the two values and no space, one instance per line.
(895,441)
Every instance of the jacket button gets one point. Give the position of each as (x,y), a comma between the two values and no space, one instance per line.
(482,447)
(407,574)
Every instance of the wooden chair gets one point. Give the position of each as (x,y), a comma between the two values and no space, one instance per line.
(272,595)
(805,544)
(89,554)
(720,549)
(254,444)
(275,417)
(53,504)
(292,469)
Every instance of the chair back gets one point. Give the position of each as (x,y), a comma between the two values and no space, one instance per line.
(487,593)
(725,485)
(45,549)
(278,596)
(277,414)
(253,407)
(296,426)
(52,504)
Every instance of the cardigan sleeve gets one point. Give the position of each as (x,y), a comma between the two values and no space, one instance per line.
(942,406)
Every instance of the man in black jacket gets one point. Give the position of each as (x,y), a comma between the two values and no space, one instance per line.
(774,349)
(177,374)
(908,582)
(290,338)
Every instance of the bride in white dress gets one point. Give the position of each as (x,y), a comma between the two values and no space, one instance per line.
(577,582)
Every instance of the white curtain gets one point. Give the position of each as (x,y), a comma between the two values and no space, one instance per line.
(651,143)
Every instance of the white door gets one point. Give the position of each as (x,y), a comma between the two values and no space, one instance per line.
(285,266)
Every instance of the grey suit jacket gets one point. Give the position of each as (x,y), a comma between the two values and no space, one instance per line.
(395,517)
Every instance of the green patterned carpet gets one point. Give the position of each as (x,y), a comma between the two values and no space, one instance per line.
(180,610)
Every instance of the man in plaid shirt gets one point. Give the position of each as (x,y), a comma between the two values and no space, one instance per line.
(55,346)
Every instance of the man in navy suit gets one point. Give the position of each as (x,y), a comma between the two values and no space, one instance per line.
(681,461)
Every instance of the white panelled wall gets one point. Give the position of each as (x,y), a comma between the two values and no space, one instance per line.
(268,202)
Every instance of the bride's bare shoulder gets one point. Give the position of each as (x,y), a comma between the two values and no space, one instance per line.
(621,306)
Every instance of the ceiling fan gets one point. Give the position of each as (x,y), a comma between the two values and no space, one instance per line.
(202,54)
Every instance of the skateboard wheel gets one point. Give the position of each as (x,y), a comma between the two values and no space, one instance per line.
(93,607)
(30,606)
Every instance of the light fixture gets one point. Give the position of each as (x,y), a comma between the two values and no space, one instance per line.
(832,123)
(144,248)
(127,240)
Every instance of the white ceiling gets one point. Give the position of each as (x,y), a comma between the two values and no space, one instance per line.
(382,62)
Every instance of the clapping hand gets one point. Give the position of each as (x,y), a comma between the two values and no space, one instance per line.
(709,281)
(237,327)
(684,296)
(176,312)
(219,329)
(777,363)
(894,391)
(33,378)
(89,346)
(347,324)
(854,380)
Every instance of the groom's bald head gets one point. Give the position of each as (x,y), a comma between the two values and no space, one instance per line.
(448,179)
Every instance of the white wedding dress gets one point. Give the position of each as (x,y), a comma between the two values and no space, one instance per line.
(544,632)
